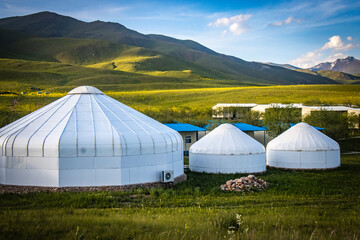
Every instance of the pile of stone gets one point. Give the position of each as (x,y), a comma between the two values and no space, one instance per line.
(245,184)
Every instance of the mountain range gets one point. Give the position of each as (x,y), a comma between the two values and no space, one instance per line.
(348,65)
(113,51)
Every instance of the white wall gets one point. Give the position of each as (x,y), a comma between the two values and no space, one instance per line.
(89,171)
(193,138)
(303,159)
(212,163)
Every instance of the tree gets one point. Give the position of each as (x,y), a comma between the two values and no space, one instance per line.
(336,124)
(354,122)
(277,119)
(253,118)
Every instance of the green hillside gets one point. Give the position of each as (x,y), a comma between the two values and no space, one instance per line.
(340,77)
(109,55)
(46,24)
(20,75)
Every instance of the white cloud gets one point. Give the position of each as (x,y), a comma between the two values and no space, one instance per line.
(331,51)
(221,21)
(235,24)
(307,60)
(335,56)
(336,43)
(289,20)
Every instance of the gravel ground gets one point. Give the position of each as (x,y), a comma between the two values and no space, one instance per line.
(29,189)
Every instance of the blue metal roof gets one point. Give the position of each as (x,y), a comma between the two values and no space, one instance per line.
(184,127)
(242,126)
(248,128)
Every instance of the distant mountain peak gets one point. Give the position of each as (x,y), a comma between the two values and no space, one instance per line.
(349,65)
(47,14)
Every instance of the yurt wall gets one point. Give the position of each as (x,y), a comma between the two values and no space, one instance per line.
(227,149)
(303,147)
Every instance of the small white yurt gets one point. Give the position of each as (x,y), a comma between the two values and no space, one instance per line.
(87,139)
(303,147)
(227,149)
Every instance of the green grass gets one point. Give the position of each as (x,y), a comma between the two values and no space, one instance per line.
(205,98)
(194,105)
(350,145)
(297,205)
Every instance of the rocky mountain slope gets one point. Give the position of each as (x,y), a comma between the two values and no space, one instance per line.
(349,65)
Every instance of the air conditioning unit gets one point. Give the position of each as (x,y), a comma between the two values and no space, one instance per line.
(167,176)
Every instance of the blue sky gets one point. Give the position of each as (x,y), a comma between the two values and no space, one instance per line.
(302,33)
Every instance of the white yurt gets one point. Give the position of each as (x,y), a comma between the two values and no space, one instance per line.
(303,147)
(227,149)
(87,139)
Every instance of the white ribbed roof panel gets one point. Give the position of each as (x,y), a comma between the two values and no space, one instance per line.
(85,90)
(227,140)
(87,123)
(302,137)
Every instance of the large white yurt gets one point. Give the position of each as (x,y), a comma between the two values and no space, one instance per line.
(303,147)
(227,149)
(87,139)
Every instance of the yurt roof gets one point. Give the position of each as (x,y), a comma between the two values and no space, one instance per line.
(227,139)
(302,137)
(85,90)
(86,122)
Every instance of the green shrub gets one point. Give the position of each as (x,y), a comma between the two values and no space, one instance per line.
(278,119)
(336,124)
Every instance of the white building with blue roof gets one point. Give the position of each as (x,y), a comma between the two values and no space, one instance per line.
(188,132)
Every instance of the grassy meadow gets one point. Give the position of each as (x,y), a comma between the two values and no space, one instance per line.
(297,205)
(193,105)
